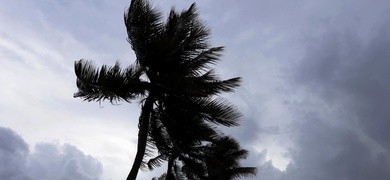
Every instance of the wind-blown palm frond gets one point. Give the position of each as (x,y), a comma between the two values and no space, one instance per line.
(240,172)
(143,28)
(184,43)
(171,114)
(220,162)
(188,32)
(207,85)
(193,169)
(219,111)
(158,132)
(185,130)
(187,113)
(197,65)
(223,161)
(214,110)
(156,161)
(108,83)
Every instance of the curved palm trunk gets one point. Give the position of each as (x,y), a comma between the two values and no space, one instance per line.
(169,171)
(142,137)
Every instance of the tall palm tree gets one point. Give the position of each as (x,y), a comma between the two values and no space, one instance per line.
(172,60)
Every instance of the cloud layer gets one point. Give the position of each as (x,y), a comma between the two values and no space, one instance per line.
(315,92)
(46,161)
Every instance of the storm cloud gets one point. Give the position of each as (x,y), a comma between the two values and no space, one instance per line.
(46,161)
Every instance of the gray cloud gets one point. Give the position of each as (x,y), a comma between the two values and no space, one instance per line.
(342,132)
(13,154)
(333,152)
(343,69)
(336,92)
(50,161)
(47,161)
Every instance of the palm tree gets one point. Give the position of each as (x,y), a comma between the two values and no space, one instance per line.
(221,162)
(218,160)
(172,60)
(179,130)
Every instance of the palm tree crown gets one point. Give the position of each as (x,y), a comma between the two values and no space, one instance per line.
(171,76)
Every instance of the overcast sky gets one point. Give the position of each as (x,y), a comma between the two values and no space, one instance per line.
(315,92)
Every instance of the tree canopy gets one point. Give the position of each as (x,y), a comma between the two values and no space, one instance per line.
(172,77)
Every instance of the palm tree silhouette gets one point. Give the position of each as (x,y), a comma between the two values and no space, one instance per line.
(222,160)
(173,62)
(180,130)
(218,160)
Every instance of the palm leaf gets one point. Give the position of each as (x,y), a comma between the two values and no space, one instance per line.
(156,162)
(239,172)
(188,32)
(193,169)
(214,110)
(223,160)
(108,83)
(201,63)
(143,25)
(206,85)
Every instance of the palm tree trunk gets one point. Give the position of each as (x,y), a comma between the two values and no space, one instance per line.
(142,137)
(169,171)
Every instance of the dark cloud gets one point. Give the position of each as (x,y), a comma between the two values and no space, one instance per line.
(333,152)
(345,75)
(48,161)
(338,90)
(325,151)
(344,70)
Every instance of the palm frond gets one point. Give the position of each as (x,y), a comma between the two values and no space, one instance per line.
(223,160)
(195,32)
(214,87)
(182,121)
(159,134)
(108,83)
(200,63)
(214,110)
(181,39)
(157,161)
(206,85)
(187,31)
(239,172)
(193,169)
(143,26)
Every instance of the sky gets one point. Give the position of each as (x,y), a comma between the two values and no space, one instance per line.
(314,98)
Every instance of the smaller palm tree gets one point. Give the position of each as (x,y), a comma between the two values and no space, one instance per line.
(180,132)
(221,162)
